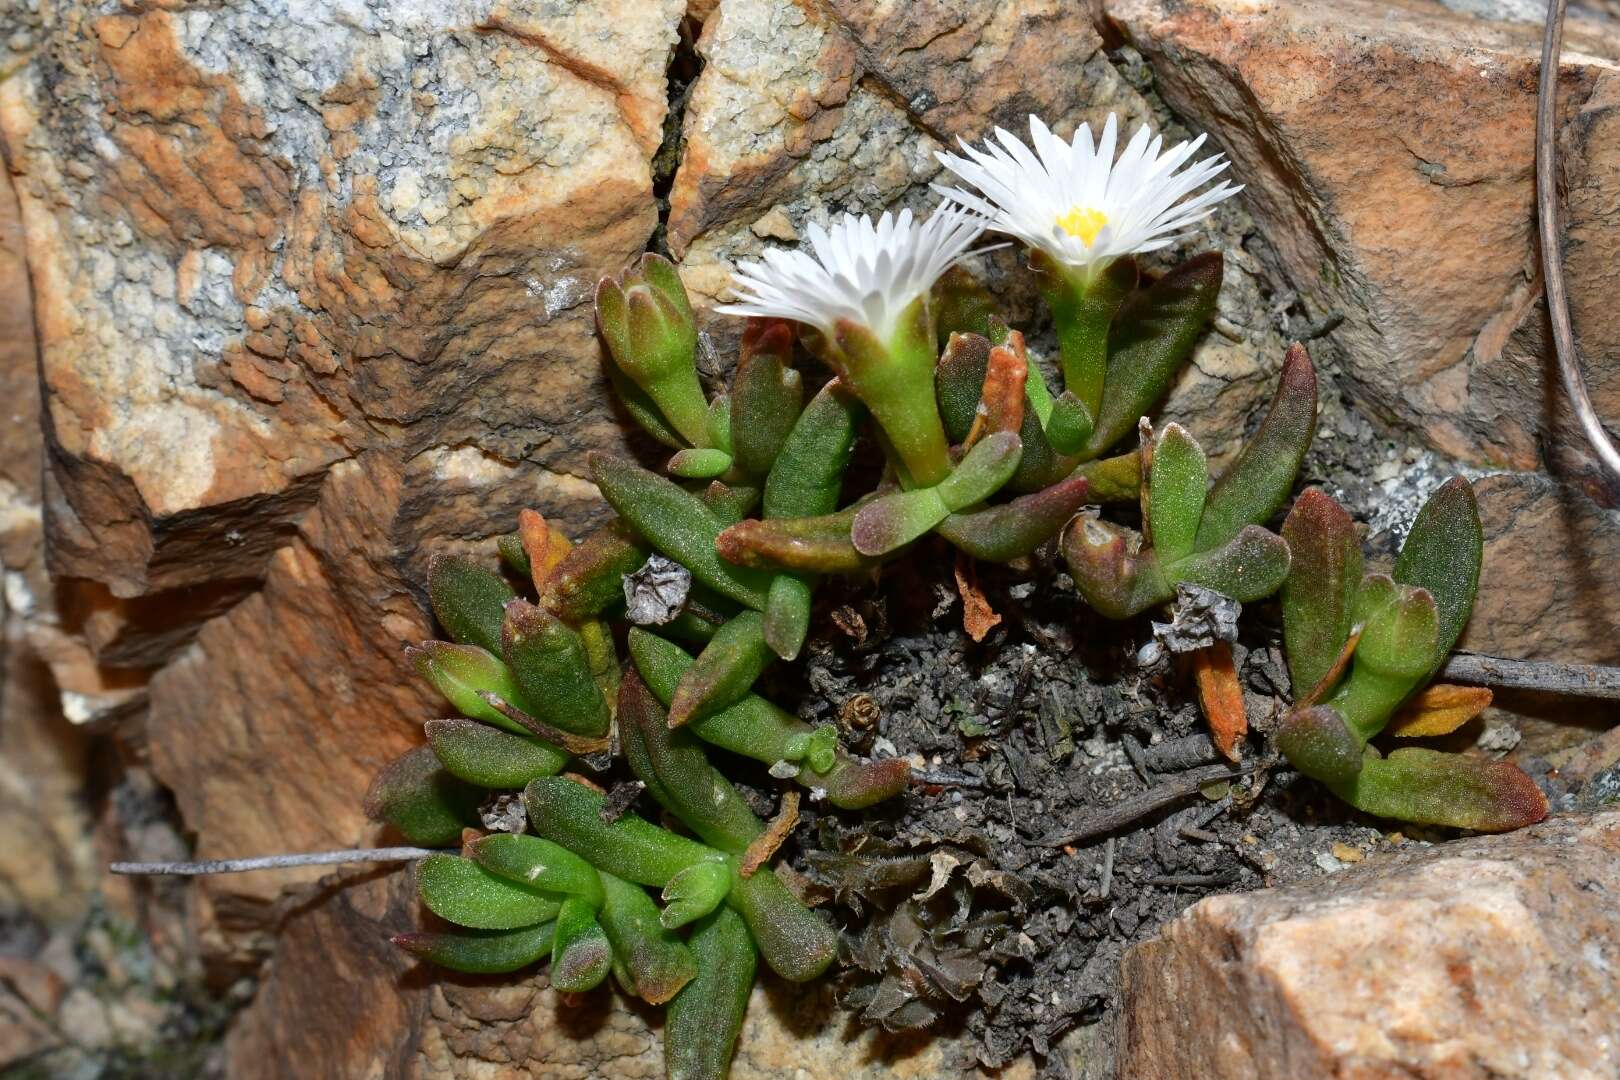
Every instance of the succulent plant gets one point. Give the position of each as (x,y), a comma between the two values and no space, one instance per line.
(1359,646)
(713,564)
(1195,533)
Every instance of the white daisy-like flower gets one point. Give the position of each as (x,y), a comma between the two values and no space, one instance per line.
(1074,202)
(857,270)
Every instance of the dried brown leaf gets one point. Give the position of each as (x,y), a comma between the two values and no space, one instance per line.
(1439,710)
(1222,697)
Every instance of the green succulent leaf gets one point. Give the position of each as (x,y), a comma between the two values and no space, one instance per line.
(482,952)
(468,600)
(699,464)
(1318,597)
(704,1020)
(1069,424)
(798,943)
(1152,335)
(766,395)
(629,847)
(811,545)
(581,955)
(678,774)
(590,578)
(787,614)
(694,892)
(643,409)
(1318,743)
(460,891)
(658,963)
(807,474)
(1258,482)
(678,523)
(1110,568)
(538,864)
(1013,529)
(757,729)
(1399,627)
(963,305)
(489,758)
(647,322)
(513,555)
(889,522)
(421,799)
(553,670)
(1456,790)
(1442,554)
(728,666)
(1177,482)
(959,382)
(461,673)
(1251,566)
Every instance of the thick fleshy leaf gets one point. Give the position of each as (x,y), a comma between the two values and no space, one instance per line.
(720,423)
(1456,790)
(461,673)
(1016,528)
(730,503)
(678,524)
(1442,554)
(481,755)
(1250,566)
(678,774)
(590,578)
(468,600)
(694,892)
(581,956)
(482,952)
(787,614)
(1111,570)
(1258,482)
(460,891)
(571,814)
(1318,743)
(1069,424)
(798,943)
(757,729)
(704,1020)
(1177,483)
(1084,307)
(1116,479)
(659,963)
(891,521)
(512,554)
(1150,339)
(808,473)
(959,382)
(766,395)
(537,864)
(421,799)
(726,669)
(553,670)
(1324,576)
(699,464)
(1399,627)
(962,305)
(642,408)
(817,545)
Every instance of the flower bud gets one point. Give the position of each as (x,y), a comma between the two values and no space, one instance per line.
(646,320)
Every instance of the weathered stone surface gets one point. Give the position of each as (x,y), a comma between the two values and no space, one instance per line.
(1388,153)
(1547,590)
(1493,957)
(286,239)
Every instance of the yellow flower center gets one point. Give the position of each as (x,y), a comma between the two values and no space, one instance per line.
(1085,224)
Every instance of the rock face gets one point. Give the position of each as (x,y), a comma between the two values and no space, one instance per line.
(312,289)
(1388,152)
(1493,957)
